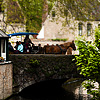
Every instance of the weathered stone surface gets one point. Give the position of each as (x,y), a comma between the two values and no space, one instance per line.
(31,68)
(5,80)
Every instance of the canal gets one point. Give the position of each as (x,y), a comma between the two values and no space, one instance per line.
(46,90)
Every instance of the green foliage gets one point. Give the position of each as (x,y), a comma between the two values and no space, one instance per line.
(97,39)
(34,63)
(88,62)
(32,10)
(50,6)
(92,89)
(80,9)
(59,39)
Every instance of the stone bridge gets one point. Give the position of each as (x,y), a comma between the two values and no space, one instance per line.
(29,69)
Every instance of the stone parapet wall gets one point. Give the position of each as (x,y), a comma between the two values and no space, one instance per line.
(5,80)
(29,69)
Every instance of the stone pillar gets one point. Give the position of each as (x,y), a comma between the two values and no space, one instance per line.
(5,79)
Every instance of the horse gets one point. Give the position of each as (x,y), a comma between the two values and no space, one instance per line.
(59,49)
(69,51)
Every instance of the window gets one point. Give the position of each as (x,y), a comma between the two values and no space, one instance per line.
(80,29)
(89,28)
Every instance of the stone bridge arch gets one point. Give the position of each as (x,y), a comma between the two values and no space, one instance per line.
(31,68)
(75,85)
(72,86)
(32,82)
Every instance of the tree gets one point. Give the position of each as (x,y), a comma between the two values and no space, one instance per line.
(80,9)
(28,12)
(35,11)
(32,10)
(88,63)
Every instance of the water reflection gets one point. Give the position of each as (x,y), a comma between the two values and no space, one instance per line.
(18,98)
(56,97)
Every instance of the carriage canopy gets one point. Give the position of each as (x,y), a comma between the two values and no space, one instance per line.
(22,33)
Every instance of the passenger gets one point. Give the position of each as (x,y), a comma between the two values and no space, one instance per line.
(39,48)
(39,45)
(20,47)
(16,46)
(10,47)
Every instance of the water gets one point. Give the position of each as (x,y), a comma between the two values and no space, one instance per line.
(46,90)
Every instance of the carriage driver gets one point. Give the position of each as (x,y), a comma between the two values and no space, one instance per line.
(27,40)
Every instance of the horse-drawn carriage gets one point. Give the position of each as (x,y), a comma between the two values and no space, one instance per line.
(54,49)
(60,49)
(47,49)
(27,47)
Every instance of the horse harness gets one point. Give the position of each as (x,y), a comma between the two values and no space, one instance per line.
(62,50)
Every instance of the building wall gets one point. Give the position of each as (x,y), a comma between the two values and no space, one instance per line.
(54,29)
(58,27)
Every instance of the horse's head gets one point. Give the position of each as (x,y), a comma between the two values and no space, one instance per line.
(73,45)
(70,44)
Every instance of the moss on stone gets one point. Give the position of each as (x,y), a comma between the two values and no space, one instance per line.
(42,66)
